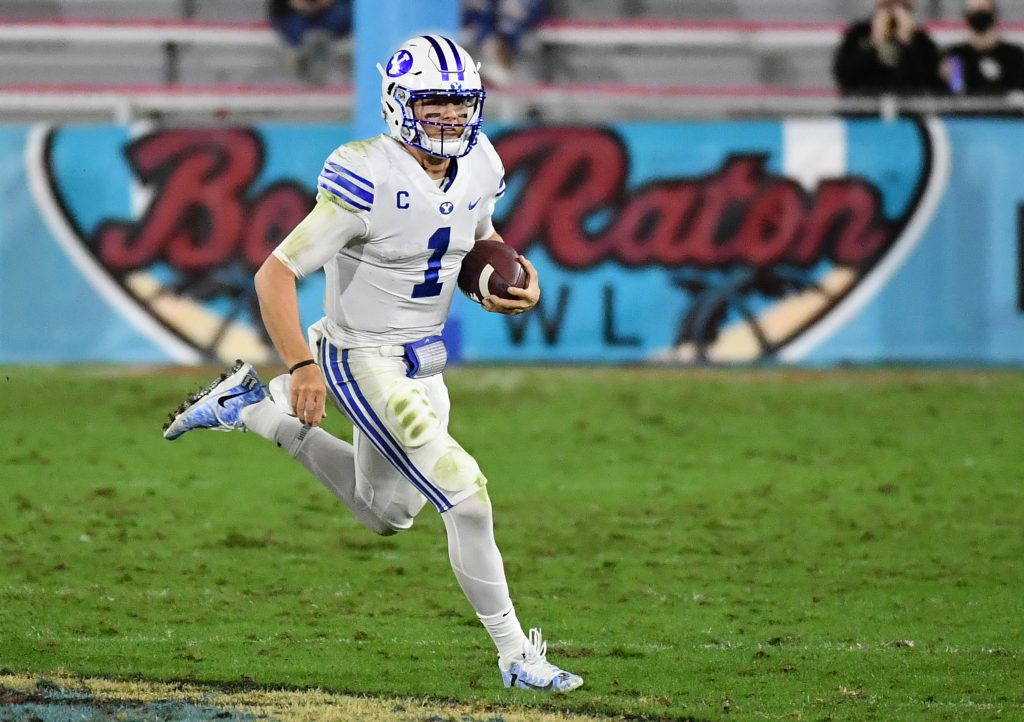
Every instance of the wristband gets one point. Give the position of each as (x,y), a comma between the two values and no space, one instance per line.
(300,364)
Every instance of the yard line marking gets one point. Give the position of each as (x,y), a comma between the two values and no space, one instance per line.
(727,646)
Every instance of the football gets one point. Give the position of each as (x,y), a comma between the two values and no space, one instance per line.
(489,269)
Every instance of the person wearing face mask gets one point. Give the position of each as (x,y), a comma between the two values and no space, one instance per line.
(985,64)
(888,53)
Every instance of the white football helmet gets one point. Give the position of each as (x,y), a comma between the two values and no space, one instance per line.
(432,67)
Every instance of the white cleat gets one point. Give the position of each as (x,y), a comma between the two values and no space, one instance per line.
(535,672)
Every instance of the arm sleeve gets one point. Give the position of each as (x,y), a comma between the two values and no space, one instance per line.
(326,230)
(485,225)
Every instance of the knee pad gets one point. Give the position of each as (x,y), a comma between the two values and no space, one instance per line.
(474,509)
(456,470)
(410,415)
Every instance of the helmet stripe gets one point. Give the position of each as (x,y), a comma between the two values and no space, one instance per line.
(459,68)
(445,73)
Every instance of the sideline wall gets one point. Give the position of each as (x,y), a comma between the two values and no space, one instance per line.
(814,242)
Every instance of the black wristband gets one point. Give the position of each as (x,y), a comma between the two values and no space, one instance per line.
(300,364)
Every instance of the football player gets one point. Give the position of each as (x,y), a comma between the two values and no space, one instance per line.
(395,215)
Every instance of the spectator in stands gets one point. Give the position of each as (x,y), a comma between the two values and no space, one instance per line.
(985,64)
(308,26)
(496,29)
(888,53)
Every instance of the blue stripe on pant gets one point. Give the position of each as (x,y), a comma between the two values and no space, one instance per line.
(345,389)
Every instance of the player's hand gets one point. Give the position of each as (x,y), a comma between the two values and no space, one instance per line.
(946,70)
(881,22)
(309,395)
(905,25)
(304,7)
(525,298)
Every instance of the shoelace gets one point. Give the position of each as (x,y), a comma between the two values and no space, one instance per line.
(535,657)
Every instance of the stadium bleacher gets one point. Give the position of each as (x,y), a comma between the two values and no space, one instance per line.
(592,58)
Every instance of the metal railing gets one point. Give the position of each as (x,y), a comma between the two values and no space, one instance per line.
(173,102)
(757,36)
(535,104)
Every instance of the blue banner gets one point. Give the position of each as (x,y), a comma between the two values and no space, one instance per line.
(803,241)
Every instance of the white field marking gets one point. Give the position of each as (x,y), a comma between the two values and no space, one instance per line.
(852,647)
(726,646)
(963,704)
(96,275)
(878,276)
(485,280)
(886,702)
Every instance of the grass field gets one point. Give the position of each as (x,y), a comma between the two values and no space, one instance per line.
(843,545)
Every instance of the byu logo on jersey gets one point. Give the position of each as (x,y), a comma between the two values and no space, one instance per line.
(446,208)
(400,64)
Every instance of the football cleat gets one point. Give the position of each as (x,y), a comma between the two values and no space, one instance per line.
(535,672)
(217,406)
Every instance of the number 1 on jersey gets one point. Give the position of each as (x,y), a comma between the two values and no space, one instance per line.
(439,243)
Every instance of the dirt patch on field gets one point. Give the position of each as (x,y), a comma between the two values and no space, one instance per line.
(11,697)
(25,698)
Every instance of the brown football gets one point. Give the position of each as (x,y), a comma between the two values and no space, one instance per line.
(489,269)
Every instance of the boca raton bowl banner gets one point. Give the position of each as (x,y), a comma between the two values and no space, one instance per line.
(804,241)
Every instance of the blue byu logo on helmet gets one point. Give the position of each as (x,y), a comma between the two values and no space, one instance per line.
(400,64)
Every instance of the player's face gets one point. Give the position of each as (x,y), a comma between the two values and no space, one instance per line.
(907,5)
(971,6)
(447,109)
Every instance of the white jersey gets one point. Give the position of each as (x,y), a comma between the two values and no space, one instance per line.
(393,282)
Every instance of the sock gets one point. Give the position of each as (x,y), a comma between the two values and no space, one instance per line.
(478,568)
(326,457)
(507,634)
(263,418)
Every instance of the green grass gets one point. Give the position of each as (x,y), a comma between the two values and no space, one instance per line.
(731,545)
